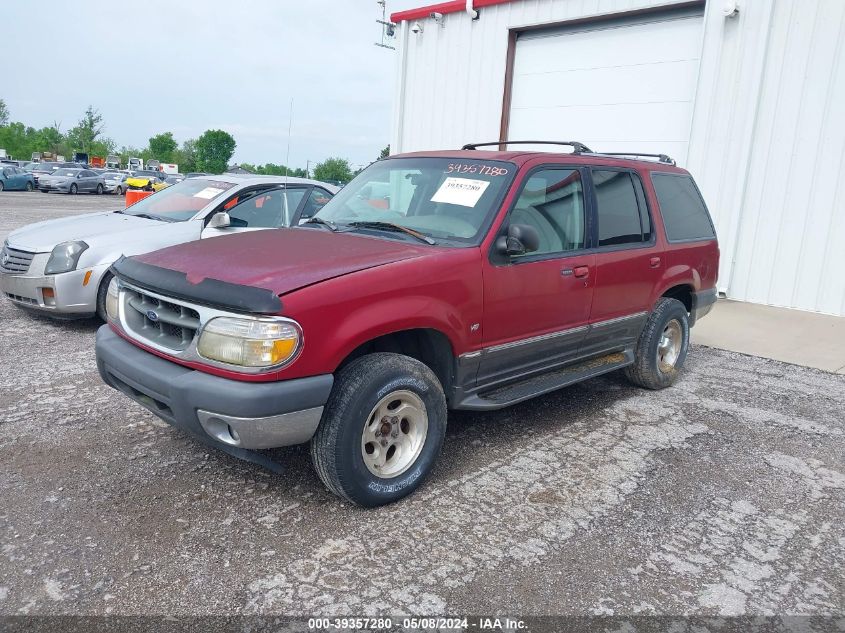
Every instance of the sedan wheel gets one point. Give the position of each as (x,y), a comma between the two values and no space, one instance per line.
(29,186)
(73,188)
(99,189)
(2,185)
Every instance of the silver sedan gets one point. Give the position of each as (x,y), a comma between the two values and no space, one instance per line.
(60,267)
(72,181)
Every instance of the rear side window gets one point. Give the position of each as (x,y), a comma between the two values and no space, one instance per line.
(618,209)
(684,214)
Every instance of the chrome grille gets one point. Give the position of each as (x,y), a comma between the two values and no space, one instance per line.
(168,325)
(14,261)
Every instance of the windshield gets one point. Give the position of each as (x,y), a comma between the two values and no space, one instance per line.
(181,201)
(443,198)
(70,173)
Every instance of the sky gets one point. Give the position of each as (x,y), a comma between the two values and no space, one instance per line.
(194,65)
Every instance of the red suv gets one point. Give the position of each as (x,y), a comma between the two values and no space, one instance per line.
(433,281)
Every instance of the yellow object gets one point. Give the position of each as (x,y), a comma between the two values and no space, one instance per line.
(87,278)
(146,183)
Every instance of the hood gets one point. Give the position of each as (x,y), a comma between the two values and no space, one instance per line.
(41,237)
(282,260)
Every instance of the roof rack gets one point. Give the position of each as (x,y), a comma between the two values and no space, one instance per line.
(661,158)
(578,148)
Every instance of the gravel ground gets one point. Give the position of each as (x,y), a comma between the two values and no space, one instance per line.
(722,495)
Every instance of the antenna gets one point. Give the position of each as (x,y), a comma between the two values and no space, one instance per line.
(287,163)
(388,29)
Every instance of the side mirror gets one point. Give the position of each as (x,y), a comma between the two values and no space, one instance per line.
(521,239)
(219,221)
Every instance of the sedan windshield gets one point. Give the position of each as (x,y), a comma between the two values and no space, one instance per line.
(441,198)
(181,201)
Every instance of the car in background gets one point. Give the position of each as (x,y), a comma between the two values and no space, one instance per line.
(195,174)
(61,267)
(115,182)
(146,180)
(42,169)
(173,179)
(73,181)
(15,179)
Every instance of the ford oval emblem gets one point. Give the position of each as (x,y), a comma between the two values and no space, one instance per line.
(152,316)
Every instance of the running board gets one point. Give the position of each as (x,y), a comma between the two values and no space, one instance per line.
(544,383)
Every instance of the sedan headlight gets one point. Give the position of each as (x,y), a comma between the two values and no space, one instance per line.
(112,295)
(250,342)
(65,257)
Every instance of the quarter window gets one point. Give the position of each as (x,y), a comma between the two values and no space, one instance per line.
(684,214)
(618,209)
(552,201)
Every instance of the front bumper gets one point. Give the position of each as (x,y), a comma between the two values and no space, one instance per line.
(232,415)
(51,186)
(72,297)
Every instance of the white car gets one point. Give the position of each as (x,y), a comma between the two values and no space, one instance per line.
(61,267)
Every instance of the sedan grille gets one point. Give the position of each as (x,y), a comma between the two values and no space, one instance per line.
(160,322)
(14,261)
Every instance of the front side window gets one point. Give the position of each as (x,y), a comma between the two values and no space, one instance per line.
(180,202)
(442,198)
(552,201)
(618,210)
(684,214)
(267,210)
(317,199)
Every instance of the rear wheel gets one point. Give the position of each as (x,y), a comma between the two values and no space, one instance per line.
(73,188)
(381,431)
(662,347)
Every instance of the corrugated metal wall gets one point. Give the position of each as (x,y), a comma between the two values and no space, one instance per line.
(767,141)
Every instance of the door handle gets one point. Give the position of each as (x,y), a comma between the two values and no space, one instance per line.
(582,271)
(654,262)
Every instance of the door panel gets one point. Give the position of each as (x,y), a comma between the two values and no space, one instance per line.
(629,261)
(537,305)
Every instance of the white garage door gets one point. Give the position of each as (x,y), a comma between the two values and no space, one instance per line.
(615,86)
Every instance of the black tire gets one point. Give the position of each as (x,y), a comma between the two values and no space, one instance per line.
(337,448)
(101,296)
(651,368)
(119,190)
(99,189)
(73,189)
(29,186)
(2,185)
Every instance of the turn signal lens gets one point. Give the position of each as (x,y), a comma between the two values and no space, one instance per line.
(250,342)
(112,296)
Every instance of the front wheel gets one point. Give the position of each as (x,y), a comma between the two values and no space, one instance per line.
(662,347)
(2,185)
(29,186)
(74,188)
(381,431)
(99,189)
(119,190)
(102,291)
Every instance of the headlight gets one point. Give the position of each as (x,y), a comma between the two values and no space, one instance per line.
(112,295)
(64,257)
(250,342)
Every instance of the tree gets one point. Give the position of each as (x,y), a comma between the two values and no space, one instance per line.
(162,147)
(4,113)
(333,169)
(214,149)
(186,156)
(384,153)
(86,132)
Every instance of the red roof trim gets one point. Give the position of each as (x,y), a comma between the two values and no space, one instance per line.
(444,7)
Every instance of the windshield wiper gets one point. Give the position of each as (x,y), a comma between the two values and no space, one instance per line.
(389,226)
(315,220)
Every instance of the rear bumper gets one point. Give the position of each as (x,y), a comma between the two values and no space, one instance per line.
(235,416)
(702,303)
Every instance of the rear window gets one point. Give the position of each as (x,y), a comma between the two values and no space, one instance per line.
(684,214)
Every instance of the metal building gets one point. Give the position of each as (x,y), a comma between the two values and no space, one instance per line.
(747,95)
